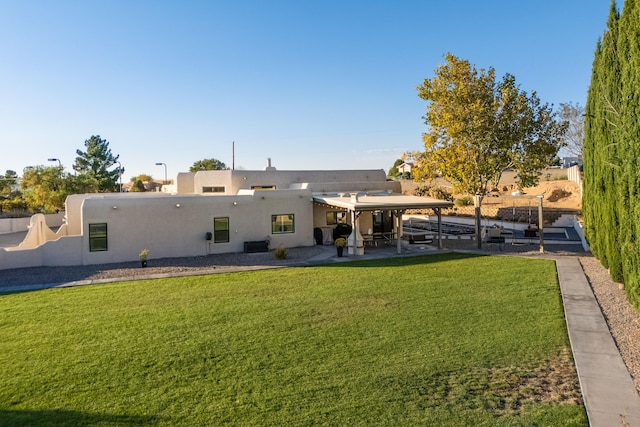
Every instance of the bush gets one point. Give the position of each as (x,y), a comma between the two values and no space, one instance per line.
(439,193)
(464,201)
(280,252)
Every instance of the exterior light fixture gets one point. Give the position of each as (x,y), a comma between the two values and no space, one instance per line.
(235,203)
(177,205)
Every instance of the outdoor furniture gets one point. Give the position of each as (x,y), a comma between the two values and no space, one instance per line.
(256,246)
(368,240)
(418,238)
(494,235)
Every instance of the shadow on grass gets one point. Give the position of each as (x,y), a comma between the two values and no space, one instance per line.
(40,278)
(56,417)
(399,261)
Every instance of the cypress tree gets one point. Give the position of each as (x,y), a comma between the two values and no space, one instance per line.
(601,163)
(610,167)
(592,186)
(612,149)
(629,144)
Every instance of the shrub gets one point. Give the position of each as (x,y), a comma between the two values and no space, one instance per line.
(464,201)
(280,252)
(422,190)
(340,242)
(439,193)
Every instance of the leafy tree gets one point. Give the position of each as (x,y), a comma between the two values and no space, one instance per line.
(10,198)
(15,204)
(573,114)
(478,127)
(138,186)
(142,177)
(393,171)
(80,184)
(7,181)
(208,165)
(96,162)
(44,189)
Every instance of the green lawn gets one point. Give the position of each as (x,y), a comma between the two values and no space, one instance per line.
(436,340)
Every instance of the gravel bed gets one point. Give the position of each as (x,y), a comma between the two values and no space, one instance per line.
(622,318)
(166,266)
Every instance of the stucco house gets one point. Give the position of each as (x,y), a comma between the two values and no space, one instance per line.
(405,167)
(211,212)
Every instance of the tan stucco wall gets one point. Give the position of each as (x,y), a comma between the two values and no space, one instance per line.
(170,231)
(184,182)
(338,180)
(153,220)
(14,225)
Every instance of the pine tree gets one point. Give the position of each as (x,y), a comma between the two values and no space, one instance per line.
(96,161)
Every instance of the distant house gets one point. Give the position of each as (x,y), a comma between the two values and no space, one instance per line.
(209,212)
(405,167)
(155,185)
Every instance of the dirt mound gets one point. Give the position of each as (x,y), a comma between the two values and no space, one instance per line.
(557,194)
(560,194)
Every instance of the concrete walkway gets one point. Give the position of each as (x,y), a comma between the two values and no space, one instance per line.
(607,389)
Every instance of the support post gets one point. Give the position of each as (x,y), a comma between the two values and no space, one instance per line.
(439,214)
(477,201)
(354,241)
(399,214)
(540,224)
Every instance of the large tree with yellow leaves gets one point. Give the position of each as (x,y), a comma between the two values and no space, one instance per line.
(478,127)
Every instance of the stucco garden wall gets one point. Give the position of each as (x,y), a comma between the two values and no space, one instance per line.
(15,225)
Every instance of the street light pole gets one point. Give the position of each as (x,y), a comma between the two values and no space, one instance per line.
(120,175)
(56,160)
(165,171)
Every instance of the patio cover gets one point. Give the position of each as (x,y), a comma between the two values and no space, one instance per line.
(358,202)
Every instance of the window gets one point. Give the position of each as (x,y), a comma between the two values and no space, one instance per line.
(263,187)
(334,217)
(221,230)
(97,237)
(213,189)
(284,223)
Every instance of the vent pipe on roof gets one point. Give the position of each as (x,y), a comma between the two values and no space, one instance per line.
(354,197)
(269,167)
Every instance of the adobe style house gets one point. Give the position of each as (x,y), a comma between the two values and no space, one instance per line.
(211,212)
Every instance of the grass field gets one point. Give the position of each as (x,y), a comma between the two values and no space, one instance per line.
(442,340)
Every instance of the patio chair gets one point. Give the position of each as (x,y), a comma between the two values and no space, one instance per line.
(367,238)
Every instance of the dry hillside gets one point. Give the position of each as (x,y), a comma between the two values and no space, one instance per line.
(557,193)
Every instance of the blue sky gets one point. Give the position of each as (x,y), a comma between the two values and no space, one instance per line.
(311,85)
